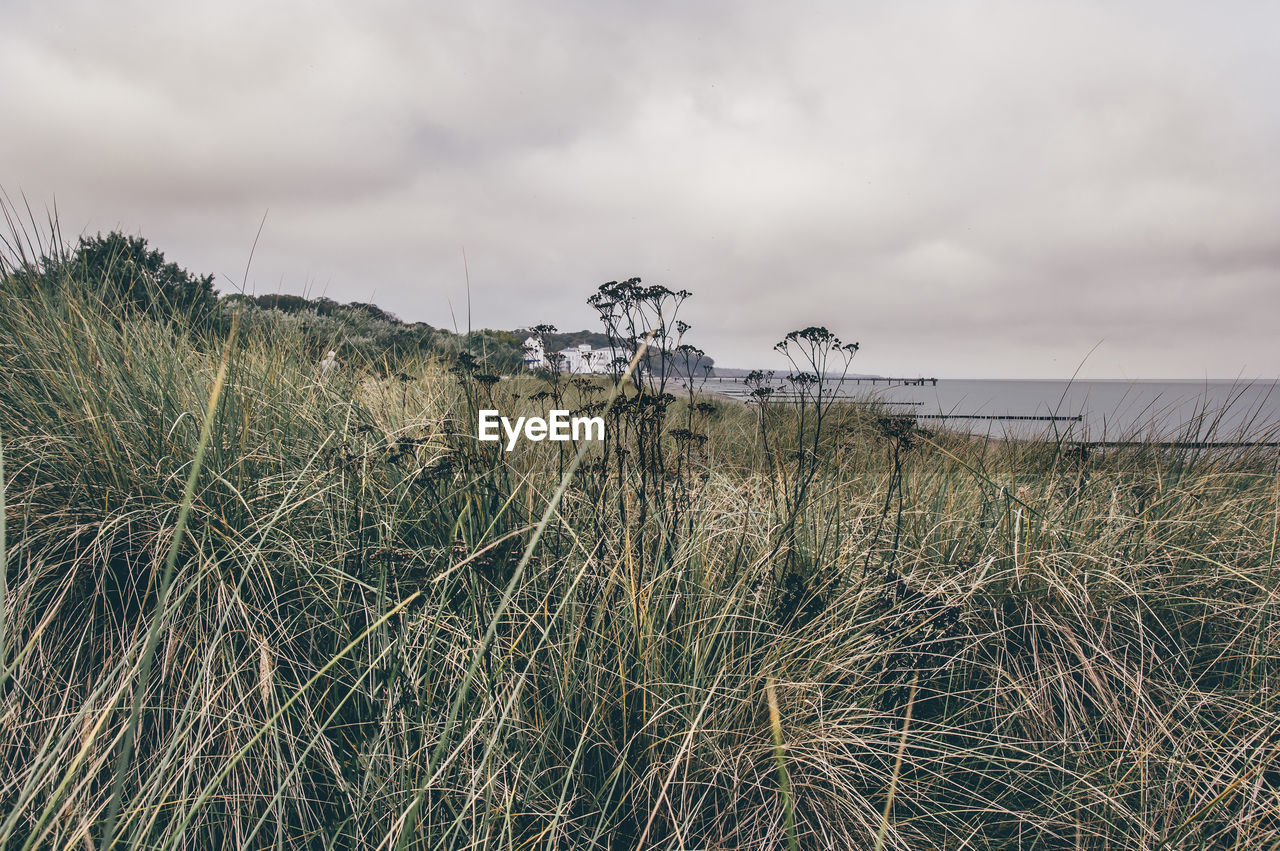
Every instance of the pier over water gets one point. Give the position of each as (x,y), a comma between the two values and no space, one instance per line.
(1093,411)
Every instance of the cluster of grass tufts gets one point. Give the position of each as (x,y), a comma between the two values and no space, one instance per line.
(243,607)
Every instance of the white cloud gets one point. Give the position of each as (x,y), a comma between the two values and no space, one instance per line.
(977,188)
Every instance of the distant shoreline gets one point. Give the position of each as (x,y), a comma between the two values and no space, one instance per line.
(731,372)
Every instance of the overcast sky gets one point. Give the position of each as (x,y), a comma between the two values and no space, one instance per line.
(969,189)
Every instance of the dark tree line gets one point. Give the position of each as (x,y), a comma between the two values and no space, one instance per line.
(131,278)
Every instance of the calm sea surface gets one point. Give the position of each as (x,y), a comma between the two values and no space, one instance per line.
(1210,411)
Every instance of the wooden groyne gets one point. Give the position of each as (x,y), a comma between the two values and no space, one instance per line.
(1172,444)
(901,382)
(1038,418)
(848,379)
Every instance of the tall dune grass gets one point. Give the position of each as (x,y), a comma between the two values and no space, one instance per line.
(944,642)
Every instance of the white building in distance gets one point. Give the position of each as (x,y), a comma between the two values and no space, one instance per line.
(578,360)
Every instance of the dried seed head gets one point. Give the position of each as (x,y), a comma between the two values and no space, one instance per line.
(266,671)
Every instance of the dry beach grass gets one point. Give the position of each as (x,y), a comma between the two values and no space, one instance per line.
(346,624)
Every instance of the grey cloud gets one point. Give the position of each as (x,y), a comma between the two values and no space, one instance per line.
(982,188)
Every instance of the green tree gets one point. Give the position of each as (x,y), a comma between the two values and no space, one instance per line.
(137,278)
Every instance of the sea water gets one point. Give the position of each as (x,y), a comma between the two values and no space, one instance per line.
(1106,410)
